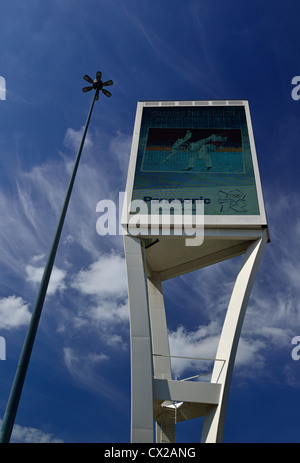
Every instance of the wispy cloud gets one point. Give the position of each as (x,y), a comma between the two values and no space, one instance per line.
(85,371)
(30,209)
(88,282)
(187,56)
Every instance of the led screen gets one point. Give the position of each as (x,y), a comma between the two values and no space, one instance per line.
(195,153)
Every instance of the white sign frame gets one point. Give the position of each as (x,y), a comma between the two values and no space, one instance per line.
(242,221)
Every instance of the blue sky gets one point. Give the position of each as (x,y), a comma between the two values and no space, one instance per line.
(78,383)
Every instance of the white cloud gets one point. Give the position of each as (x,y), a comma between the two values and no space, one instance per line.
(109,311)
(199,344)
(37,258)
(291,270)
(116,341)
(250,353)
(106,277)
(2,88)
(56,282)
(120,149)
(105,282)
(29,435)
(202,344)
(14,312)
(73,138)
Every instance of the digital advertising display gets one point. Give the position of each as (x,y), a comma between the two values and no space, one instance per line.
(198,151)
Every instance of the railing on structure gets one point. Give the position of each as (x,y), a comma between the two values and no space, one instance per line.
(195,358)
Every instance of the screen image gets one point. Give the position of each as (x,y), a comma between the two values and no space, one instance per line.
(193,152)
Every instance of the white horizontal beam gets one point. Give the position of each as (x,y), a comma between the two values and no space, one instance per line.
(186,391)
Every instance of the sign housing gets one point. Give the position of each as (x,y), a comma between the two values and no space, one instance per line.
(192,151)
(198,150)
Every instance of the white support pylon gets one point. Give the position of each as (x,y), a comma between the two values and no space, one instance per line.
(165,430)
(153,392)
(222,373)
(142,428)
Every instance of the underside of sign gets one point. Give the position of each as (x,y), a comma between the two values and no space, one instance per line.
(171,257)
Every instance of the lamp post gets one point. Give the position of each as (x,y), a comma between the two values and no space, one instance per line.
(16,390)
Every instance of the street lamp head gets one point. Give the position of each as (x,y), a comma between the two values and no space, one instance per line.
(97,85)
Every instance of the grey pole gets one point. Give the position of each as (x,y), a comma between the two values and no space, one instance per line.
(16,390)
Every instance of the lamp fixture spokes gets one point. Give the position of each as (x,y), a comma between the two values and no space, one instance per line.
(97,85)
